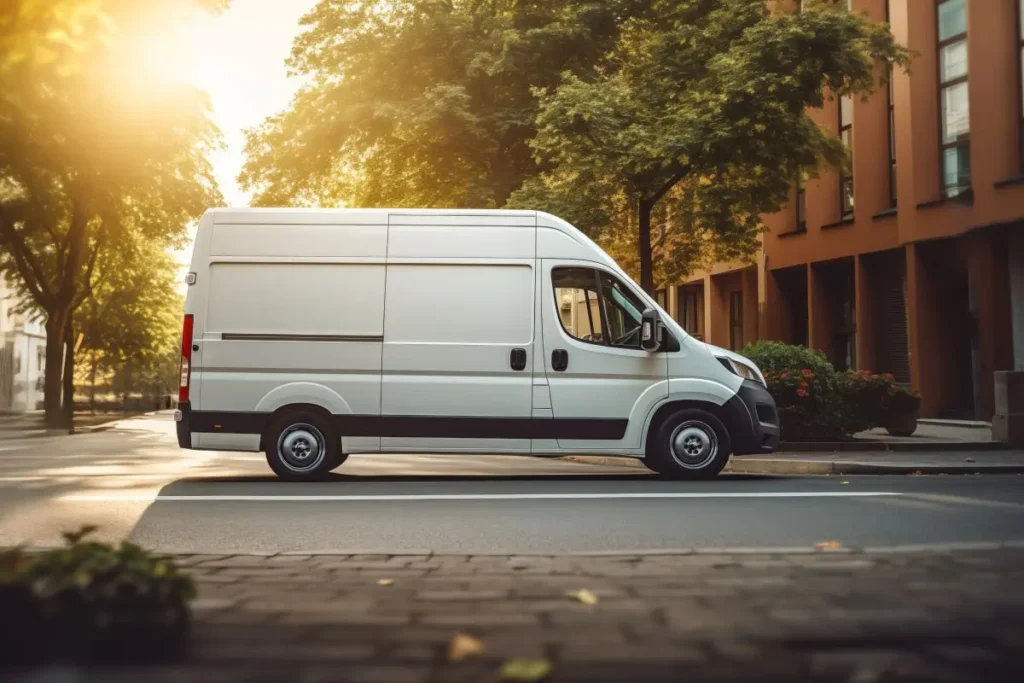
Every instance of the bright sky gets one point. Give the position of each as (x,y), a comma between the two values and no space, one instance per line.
(238,57)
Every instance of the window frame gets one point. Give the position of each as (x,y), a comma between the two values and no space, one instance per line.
(801,204)
(687,294)
(943,86)
(844,178)
(1020,83)
(891,106)
(602,306)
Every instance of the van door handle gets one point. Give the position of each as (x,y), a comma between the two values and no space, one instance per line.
(517,359)
(559,360)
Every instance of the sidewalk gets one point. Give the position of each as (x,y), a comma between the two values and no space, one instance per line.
(931,435)
(932,462)
(921,614)
(32,425)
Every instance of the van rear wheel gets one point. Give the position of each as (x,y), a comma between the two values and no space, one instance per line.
(302,446)
(689,444)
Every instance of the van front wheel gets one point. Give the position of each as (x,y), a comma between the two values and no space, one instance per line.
(689,444)
(302,446)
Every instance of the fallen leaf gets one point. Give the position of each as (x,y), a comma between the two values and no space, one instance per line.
(525,670)
(582,595)
(385,582)
(828,545)
(463,645)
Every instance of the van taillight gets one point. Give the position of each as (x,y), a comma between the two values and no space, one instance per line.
(185,369)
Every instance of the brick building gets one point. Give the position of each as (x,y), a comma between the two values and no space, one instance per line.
(914,264)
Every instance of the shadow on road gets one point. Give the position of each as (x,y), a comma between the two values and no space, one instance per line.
(175,487)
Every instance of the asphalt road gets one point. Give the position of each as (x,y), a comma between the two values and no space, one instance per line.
(134,482)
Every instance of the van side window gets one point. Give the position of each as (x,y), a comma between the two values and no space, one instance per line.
(595,307)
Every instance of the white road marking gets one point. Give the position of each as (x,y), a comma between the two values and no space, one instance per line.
(122,497)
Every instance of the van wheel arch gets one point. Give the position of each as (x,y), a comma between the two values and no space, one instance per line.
(666,409)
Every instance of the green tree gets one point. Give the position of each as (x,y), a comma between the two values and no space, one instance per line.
(95,151)
(422,102)
(131,322)
(711,95)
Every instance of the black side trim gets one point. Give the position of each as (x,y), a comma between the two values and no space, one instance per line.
(234,336)
(428,426)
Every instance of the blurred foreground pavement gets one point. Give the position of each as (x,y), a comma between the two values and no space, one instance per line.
(909,614)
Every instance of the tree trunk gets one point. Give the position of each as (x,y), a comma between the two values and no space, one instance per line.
(68,411)
(643,246)
(52,386)
(92,383)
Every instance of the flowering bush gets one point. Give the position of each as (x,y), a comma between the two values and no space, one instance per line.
(816,403)
(805,387)
(873,400)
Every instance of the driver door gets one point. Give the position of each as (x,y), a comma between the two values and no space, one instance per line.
(591,326)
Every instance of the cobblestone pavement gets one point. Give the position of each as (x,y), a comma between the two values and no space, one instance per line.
(829,615)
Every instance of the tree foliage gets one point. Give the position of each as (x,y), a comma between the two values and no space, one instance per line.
(666,125)
(132,321)
(422,102)
(710,94)
(96,150)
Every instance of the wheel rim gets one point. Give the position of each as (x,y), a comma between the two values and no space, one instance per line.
(693,445)
(301,447)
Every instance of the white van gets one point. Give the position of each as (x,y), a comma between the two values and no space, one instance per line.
(313,334)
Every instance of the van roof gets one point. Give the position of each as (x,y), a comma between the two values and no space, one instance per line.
(226,215)
(271,216)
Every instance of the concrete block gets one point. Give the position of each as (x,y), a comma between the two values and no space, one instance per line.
(1009,429)
(1009,389)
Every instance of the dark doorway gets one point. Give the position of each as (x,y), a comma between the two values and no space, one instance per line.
(791,284)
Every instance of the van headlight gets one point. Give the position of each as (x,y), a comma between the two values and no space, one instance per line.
(744,370)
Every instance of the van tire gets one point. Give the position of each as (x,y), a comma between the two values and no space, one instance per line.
(688,444)
(302,446)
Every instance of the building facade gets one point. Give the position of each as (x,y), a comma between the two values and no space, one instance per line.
(22,356)
(913,263)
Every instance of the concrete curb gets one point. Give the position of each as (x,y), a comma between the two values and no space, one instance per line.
(967,546)
(748,465)
(864,446)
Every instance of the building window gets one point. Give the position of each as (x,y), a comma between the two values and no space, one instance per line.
(954,111)
(691,309)
(846,135)
(892,144)
(891,101)
(801,203)
(661,296)
(735,320)
(1020,53)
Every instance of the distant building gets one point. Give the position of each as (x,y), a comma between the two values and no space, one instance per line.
(913,263)
(22,356)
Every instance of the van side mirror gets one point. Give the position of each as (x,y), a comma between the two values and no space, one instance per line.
(651,331)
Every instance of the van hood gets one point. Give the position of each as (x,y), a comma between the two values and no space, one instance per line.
(719,352)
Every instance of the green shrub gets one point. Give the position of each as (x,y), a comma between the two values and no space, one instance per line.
(806,390)
(816,403)
(91,600)
(873,400)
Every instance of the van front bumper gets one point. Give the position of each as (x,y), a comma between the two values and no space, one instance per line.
(183,424)
(754,420)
